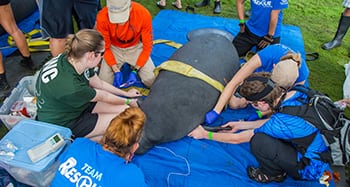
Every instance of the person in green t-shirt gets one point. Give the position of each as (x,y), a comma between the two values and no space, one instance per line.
(69,92)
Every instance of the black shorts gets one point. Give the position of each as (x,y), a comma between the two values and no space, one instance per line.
(56,16)
(4,2)
(85,123)
(244,42)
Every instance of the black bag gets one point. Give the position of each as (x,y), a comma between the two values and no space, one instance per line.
(320,111)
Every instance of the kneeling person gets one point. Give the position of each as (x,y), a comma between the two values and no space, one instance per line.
(106,163)
(274,141)
(69,93)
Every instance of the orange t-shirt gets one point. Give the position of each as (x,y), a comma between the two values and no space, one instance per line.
(129,34)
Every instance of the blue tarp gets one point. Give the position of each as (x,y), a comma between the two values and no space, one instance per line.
(190,162)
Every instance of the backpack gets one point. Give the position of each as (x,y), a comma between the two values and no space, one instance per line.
(321,112)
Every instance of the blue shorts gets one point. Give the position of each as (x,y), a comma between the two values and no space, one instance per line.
(56,16)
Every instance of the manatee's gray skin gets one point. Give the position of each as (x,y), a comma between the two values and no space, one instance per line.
(177,104)
(206,32)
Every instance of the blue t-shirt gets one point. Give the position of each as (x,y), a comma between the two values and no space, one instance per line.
(259,21)
(286,127)
(272,54)
(86,163)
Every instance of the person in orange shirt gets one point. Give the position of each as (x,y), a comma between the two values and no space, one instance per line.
(127,30)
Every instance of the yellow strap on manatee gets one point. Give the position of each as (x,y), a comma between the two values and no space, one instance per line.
(189,71)
(167,42)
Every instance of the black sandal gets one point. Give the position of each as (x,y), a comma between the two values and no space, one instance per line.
(259,176)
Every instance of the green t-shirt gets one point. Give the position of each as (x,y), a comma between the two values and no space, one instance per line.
(62,94)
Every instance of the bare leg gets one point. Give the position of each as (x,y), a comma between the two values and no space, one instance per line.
(162,2)
(178,4)
(106,112)
(57,46)
(9,24)
(105,108)
(101,126)
(2,70)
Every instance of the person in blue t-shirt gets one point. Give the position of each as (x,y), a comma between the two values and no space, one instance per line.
(272,140)
(87,163)
(287,68)
(263,27)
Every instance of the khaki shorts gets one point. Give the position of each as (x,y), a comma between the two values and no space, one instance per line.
(130,56)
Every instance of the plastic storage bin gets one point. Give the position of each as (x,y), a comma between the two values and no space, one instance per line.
(25,87)
(25,135)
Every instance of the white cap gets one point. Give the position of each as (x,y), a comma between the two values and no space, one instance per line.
(285,73)
(118,10)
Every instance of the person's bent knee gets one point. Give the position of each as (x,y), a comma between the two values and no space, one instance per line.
(259,142)
(148,82)
(106,73)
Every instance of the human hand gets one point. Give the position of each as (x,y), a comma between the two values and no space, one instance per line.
(115,68)
(255,116)
(342,104)
(235,126)
(347,101)
(132,77)
(198,133)
(133,102)
(133,93)
(211,116)
(118,79)
(265,41)
(241,27)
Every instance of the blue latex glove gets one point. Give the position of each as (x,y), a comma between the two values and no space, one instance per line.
(118,79)
(211,116)
(255,116)
(132,77)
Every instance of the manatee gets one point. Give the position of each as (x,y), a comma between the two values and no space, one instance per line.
(176,103)
(206,32)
